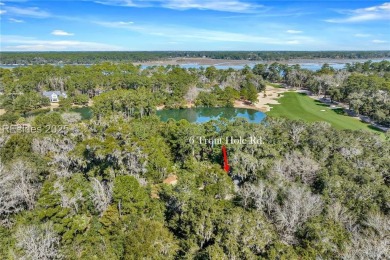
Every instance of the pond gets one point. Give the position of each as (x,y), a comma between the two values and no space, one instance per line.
(205,114)
(85,112)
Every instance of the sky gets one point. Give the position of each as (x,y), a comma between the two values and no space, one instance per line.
(152,25)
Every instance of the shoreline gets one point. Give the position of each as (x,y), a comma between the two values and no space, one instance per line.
(226,62)
(262,104)
(219,62)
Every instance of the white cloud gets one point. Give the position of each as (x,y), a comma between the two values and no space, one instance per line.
(294,31)
(120,25)
(189,34)
(236,6)
(125,23)
(379,41)
(216,5)
(293,42)
(2,12)
(362,35)
(61,33)
(379,12)
(129,3)
(14,1)
(20,43)
(15,20)
(34,12)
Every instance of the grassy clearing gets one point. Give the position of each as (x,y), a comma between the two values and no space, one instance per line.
(298,106)
(85,112)
(275,85)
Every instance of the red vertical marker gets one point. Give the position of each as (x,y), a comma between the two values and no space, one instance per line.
(226,166)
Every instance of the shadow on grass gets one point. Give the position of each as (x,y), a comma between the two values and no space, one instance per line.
(340,111)
(375,129)
(275,85)
(85,112)
(319,103)
(36,112)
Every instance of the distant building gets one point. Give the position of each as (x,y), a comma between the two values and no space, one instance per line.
(54,96)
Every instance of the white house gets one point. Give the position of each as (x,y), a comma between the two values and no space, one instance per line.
(54,96)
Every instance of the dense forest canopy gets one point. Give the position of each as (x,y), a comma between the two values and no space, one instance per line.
(95,191)
(142,56)
(97,188)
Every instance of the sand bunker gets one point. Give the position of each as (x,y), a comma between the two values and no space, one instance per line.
(263,101)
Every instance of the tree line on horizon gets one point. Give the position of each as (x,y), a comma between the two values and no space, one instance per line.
(93,57)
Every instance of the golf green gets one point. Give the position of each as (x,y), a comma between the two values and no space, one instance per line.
(299,106)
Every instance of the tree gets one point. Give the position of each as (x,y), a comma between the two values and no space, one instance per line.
(46,121)
(17,146)
(129,196)
(249,92)
(252,93)
(66,103)
(371,242)
(150,240)
(71,117)
(299,167)
(326,237)
(211,73)
(10,117)
(206,99)
(297,207)
(274,71)
(29,101)
(38,242)
(260,69)
(102,195)
(81,99)
(326,69)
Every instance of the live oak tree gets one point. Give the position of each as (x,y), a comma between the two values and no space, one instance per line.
(150,239)
(38,242)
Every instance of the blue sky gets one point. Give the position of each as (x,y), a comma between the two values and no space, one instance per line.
(137,25)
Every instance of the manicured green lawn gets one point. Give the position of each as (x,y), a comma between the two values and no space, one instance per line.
(275,85)
(297,106)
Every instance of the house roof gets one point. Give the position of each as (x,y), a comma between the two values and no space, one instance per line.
(50,93)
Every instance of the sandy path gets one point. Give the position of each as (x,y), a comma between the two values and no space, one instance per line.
(160,107)
(263,103)
(51,106)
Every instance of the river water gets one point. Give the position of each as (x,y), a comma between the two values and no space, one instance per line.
(307,65)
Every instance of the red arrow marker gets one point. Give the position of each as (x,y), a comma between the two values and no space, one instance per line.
(226,166)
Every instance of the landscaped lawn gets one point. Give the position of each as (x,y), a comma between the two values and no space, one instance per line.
(297,106)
